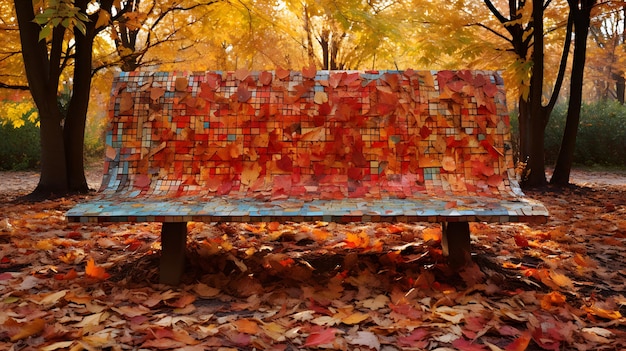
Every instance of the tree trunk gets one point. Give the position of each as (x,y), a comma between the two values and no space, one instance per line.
(581,17)
(42,79)
(537,114)
(324,41)
(62,137)
(74,131)
(620,87)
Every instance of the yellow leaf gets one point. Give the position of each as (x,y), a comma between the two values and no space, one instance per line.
(250,173)
(53,298)
(320,97)
(103,18)
(376,303)
(603,313)
(560,279)
(57,345)
(355,318)
(92,320)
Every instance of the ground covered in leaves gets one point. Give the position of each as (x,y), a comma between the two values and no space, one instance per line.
(558,286)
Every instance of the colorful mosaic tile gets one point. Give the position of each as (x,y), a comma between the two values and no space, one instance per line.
(338,145)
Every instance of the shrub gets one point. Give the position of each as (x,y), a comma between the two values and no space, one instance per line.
(19,147)
(601,134)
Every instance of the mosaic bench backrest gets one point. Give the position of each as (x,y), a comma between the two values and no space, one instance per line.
(309,135)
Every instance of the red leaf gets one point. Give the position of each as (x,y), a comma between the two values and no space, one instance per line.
(494,180)
(335,79)
(67,276)
(416,339)
(490,89)
(324,336)
(520,240)
(243,94)
(282,73)
(265,78)
(490,149)
(285,164)
(355,173)
(309,72)
(425,132)
(462,344)
(142,180)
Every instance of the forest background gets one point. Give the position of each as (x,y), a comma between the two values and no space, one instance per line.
(259,35)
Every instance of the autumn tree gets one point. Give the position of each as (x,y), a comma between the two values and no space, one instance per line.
(347,34)
(57,41)
(607,53)
(580,18)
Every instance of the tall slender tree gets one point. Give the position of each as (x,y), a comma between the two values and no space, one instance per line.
(580,16)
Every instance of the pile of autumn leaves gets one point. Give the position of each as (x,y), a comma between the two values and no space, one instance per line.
(317,285)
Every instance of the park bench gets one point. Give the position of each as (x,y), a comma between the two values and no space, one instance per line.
(340,146)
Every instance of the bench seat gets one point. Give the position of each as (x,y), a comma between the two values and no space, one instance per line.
(219,209)
(287,146)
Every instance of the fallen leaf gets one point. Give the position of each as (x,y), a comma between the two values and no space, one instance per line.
(519,344)
(95,271)
(364,338)
(25,329)
(320,337)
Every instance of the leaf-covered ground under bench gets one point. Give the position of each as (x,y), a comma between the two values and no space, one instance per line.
(558,286)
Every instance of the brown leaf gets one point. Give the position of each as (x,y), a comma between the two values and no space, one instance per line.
(19,331)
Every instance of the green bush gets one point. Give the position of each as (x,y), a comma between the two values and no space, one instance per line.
(19,147)
(601,139)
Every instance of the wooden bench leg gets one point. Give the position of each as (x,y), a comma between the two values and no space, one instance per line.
(173,245)
(455,241)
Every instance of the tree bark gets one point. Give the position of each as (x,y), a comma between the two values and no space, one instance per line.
(537,114)
(62,137)
(75,121)
(42,80)
(581,16)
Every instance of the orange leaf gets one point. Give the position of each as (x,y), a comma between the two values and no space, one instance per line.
(519,344)
(282,73)
(246,326)
(357,240)
(495,180)
(603,313)
(26,329)
(448,163)
(554,298)
(431,234)
(96,271)
(273,226)
(183,301)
